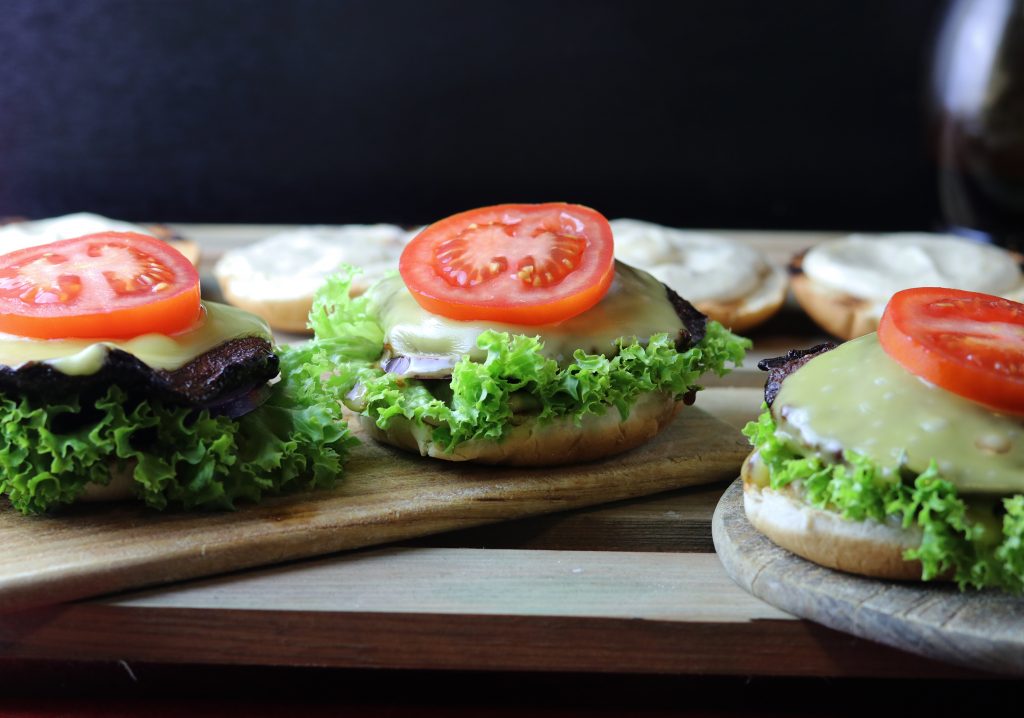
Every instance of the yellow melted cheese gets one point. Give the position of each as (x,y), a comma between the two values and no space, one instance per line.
(857,398)
(636,306)
(78,357)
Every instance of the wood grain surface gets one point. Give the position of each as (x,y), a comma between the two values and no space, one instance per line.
(386,495)
(981,630)
(462,609)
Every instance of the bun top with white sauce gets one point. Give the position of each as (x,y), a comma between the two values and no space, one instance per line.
(294,263)
(277,277)
(873,268)
(31,233)
(730,282)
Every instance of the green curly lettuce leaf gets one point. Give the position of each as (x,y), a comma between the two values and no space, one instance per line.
(344,325)
(176,456)
(960,536)
(480,399)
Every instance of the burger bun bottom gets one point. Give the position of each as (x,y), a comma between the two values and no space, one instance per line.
(865,547)
(529,443)
(120,487)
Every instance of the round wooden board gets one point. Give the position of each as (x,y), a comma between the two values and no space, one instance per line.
(980,630)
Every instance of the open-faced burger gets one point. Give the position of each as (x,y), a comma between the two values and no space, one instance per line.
(900,454)
(117,381)
(511,335)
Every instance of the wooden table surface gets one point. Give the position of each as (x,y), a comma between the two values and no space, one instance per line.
(626,588)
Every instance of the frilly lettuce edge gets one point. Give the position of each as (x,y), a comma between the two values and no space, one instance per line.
(177,457)
(349,341)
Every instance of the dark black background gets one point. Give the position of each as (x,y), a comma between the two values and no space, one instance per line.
(733,113)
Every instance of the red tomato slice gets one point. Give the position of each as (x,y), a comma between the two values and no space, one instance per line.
(968,343)
(106,285)
(513,263)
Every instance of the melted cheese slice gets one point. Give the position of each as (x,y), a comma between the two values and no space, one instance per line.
(636,306)
(857,398)
(79,357)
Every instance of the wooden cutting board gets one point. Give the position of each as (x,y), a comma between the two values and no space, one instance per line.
(386,495)
(974,629)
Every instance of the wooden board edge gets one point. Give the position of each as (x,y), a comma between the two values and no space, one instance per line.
(321,536)
(88,631)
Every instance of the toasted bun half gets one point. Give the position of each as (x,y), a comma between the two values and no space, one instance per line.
(840,314)
(866,547)
(753,309)
(530,443)
(730,281)
(849,316)
(283,314)
(186,246)
(278,277)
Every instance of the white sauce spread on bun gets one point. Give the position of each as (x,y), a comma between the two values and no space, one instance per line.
(30,233)
(277,277)
(293,264)
(701,265)
(729,281)
(876,267)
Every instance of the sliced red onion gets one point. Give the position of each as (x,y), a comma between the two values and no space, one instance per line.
(240,404)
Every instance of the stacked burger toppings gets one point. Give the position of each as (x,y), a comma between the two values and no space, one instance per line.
(512,336)
(116,381)
(901,454)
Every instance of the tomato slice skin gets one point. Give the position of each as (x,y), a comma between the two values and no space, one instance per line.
(968,343)
(514,263)
(111,285)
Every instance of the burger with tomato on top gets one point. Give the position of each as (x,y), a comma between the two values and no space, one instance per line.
(511,335)
(117,381)
(900,454)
